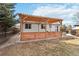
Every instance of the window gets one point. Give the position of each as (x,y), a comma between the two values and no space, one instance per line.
(42,26)
(27,26)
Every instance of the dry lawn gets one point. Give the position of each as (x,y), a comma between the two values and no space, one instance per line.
(43,48)
(70,47)
(40,48)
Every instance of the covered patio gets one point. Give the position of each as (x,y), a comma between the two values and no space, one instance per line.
(24,18)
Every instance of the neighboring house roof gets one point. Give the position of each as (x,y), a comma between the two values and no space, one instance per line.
(75,28)
(77,24)
(25,17)
(17,25)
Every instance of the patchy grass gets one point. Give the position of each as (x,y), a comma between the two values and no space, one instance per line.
(42,48)
(70,47)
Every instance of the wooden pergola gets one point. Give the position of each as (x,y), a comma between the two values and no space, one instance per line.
(24,18)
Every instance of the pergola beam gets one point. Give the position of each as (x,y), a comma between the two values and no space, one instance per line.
(25,17)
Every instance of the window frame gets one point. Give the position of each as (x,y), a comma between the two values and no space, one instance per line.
(28,26)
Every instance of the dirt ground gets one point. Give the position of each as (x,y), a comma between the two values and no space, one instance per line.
(40,48)
(10,40)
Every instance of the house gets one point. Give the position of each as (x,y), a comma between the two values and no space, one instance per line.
(76,28)
(37,27)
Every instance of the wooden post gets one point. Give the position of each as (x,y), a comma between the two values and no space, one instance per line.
(50,30)
(60,28)
(45,30)
(21,28)
(38,27)
(36,35)
(50,27)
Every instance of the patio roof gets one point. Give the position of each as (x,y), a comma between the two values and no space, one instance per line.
(75,28)
(25,17)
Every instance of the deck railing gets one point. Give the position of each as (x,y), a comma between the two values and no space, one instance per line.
(39,35)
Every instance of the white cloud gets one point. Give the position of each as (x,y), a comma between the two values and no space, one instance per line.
(60,12)
(42,11)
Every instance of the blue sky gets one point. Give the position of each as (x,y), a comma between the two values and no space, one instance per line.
(66,11)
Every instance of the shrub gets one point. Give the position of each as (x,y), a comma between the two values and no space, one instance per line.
(73,32)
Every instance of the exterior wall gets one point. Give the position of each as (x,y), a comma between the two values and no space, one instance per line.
(53,28)
(41,30)
(34,28)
